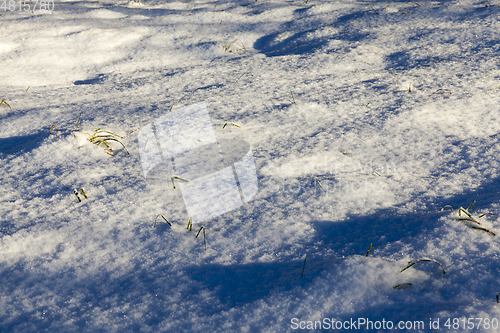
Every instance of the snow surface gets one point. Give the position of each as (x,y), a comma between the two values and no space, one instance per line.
(388,160)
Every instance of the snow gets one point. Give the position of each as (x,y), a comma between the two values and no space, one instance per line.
(364,119)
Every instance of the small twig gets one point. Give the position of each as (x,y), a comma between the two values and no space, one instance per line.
(303,267)
(374,10)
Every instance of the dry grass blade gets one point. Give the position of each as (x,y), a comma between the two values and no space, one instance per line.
(111,133)
(304,266)
(76,193)
(423,259)
(242,76)
(178,178)
(204,238)
(429,54)
(470,218)
(154,225)
(483,229)
(487,214)
(98,142)
(230,123)
(237,79)
(176,103)
(78,121)
(317,181)
(98,137)
(402,285)
(367,253)
(53,127)
(4,102)
(237,50)
(442,209)
(441,90)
